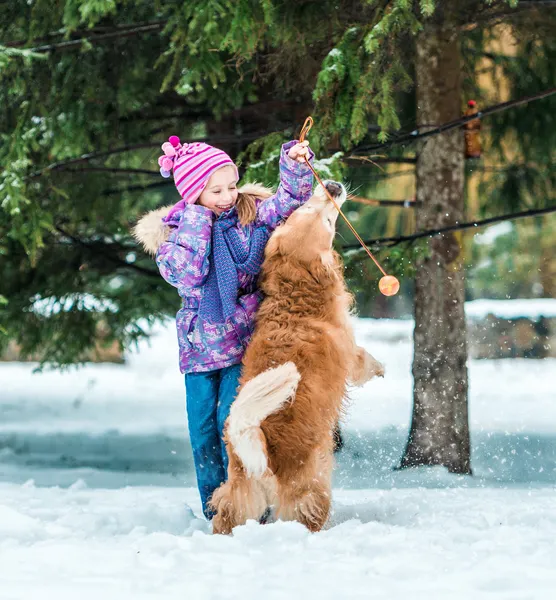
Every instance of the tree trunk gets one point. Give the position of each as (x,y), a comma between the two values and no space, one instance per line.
(439,432)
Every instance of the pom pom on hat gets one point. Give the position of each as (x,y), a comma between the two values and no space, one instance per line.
(171,149)
(168,149)
(166,162)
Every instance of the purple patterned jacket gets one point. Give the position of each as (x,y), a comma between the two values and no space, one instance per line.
(184,258)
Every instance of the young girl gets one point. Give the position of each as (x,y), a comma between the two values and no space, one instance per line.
(210,246)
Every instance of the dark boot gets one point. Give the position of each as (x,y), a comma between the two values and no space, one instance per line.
(337,438)
(267,515)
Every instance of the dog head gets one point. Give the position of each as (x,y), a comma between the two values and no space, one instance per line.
(309,231)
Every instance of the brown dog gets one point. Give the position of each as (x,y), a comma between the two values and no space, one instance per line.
(296,369)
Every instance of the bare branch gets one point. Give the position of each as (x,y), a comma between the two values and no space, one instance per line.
(111,170)
(95,249)
(93,155)
(124,31)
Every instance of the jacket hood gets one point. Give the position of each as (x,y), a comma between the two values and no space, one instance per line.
(151,231)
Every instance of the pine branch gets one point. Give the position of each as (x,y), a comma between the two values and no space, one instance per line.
(394,241)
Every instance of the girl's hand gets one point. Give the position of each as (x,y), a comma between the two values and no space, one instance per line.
(299,151)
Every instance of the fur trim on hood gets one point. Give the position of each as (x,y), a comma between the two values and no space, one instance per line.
(151,231)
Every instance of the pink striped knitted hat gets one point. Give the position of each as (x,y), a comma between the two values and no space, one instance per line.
(192,166)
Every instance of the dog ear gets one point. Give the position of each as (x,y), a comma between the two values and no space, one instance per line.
(273,246)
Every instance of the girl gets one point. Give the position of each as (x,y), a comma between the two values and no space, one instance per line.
(210,246)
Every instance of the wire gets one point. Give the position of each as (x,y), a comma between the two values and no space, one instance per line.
(393,241)
(375,202)
(449,125)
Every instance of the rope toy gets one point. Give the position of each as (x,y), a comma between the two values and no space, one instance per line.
(388,284)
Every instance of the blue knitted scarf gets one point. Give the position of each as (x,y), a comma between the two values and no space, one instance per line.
(229,256)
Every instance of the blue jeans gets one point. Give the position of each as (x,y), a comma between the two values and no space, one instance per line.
(209,397)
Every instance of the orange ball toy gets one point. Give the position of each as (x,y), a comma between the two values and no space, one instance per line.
(389,285)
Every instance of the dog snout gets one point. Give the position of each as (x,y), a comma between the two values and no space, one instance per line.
(334,188)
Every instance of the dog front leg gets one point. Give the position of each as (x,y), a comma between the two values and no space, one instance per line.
(364,367)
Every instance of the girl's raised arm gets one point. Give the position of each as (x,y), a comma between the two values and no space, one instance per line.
(296,186)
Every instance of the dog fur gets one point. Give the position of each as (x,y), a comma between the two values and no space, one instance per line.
(279,435)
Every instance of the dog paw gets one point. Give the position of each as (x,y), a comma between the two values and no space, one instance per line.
(366,368)
(373,368)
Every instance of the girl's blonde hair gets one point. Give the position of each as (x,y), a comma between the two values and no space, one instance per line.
(249,197)
(246,208)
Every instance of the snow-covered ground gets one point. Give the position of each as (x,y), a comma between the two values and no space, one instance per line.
(97,496)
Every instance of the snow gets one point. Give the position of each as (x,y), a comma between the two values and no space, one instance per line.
(532,308)
(491,233)
(83,302)
(145,543)
(97,495)
(323,165)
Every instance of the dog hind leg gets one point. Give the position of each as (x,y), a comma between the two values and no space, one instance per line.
(308,499)
(309,505)
(236,501)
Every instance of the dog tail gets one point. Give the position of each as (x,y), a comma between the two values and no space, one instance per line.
(263,395)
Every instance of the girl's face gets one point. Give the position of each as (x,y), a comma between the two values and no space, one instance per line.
(220,193)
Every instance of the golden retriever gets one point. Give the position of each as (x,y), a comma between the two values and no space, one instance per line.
(296,369)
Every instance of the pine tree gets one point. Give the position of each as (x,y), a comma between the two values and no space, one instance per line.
(90,89)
